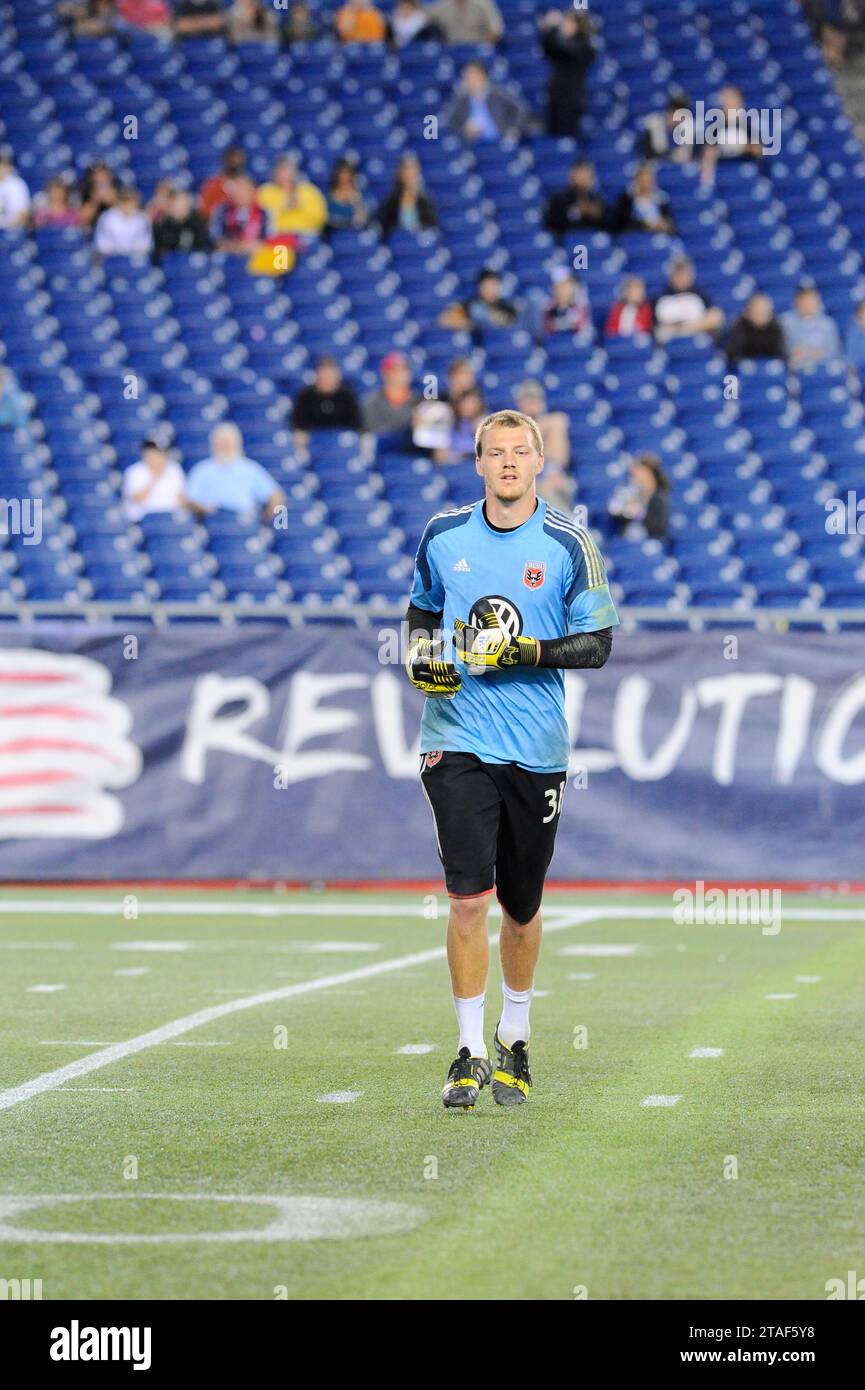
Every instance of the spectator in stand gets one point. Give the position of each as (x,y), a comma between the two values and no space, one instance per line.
(14,196)
(295,205)
(461,378)
(467,21)
(407,208)
(299,26)
(53,207)
(251,21)
(733,141)
(855,340)
(390,409)
(657,139)
(327,403)
(554,484)
(810,336)
(642,507)
(567,309)
(124,230)
(480,111)
(643,207)
(359,22)
(241,227)
(468,412)
(219,188)
(566,39)
(181,229)
(157,208)
(195,19)
(489,308)
(631,314)
(580,206)
(410,23)
(90,19)
(229,481)
(756,332)
(156,483)
(14,410)
(345,206)
(152,15)
(684,310)
(98,193)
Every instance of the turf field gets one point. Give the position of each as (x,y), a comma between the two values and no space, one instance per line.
(161,1071)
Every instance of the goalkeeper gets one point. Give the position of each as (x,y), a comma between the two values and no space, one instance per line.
(508,592)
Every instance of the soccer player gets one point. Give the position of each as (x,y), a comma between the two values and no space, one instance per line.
(508,592)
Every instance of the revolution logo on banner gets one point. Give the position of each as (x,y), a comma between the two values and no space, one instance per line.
(232,753)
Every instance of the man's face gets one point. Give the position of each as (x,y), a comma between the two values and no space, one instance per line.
(244,192)
(529,404)
(234,162)
(809,304)
(509,462)
(682,277)
(490,289)
(475,80)
(327,377)
(180,206)
(460,379)
(397,377)
(155,459)
(563,291)
(761,311)
(582,177)
(127,205)
(225,446)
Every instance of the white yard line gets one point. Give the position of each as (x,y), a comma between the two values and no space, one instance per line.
(53,1080)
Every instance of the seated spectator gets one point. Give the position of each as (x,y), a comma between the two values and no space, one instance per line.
(53,207)
(299,26)
(756,332)
(327,403)
(554,484)
(580,206)
(467,21)
(631,313)
(468,413)
(855,343)
(489,308)
(14,410)
(252,21)
(683,309)
(410,22)
(182,228)
(154,16)
(359,22)
(407,207)
(461,378)
(642,507)
(480,111)
(345,207)
(643,207)
(14,196)
(194,18)
(98,193)
(124,230)
(295,205)
(90,19)
(658,137)
(240,227)
(389,409)
(567,310)
(566,39)
(155,483)
(219,188)
(157,208)
(733,140)
(810,336)
(228,481)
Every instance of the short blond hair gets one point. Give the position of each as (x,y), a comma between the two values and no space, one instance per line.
(508,420)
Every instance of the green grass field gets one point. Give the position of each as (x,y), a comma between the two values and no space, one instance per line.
(383,1194)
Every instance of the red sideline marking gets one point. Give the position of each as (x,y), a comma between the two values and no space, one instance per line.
(665,887)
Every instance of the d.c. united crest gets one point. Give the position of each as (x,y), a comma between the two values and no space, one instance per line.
(534,575)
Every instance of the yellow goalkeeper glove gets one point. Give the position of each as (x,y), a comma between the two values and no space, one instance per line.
(427,670)
(489,646)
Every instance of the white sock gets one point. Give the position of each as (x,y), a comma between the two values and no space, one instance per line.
(470,1016)
(514,1022)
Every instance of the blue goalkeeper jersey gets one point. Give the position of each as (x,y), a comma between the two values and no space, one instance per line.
(545,579)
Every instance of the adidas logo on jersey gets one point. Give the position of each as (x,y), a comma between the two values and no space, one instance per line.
(463,566)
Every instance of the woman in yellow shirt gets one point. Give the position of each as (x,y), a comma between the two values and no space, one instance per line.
(294,204)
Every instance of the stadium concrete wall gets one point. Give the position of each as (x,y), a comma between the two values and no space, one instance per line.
(204,752)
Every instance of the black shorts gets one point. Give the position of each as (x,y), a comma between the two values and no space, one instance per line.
(496,824)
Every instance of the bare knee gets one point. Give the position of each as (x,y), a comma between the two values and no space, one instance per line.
(469,915)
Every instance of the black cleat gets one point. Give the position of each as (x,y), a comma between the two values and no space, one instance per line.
(466,1079)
